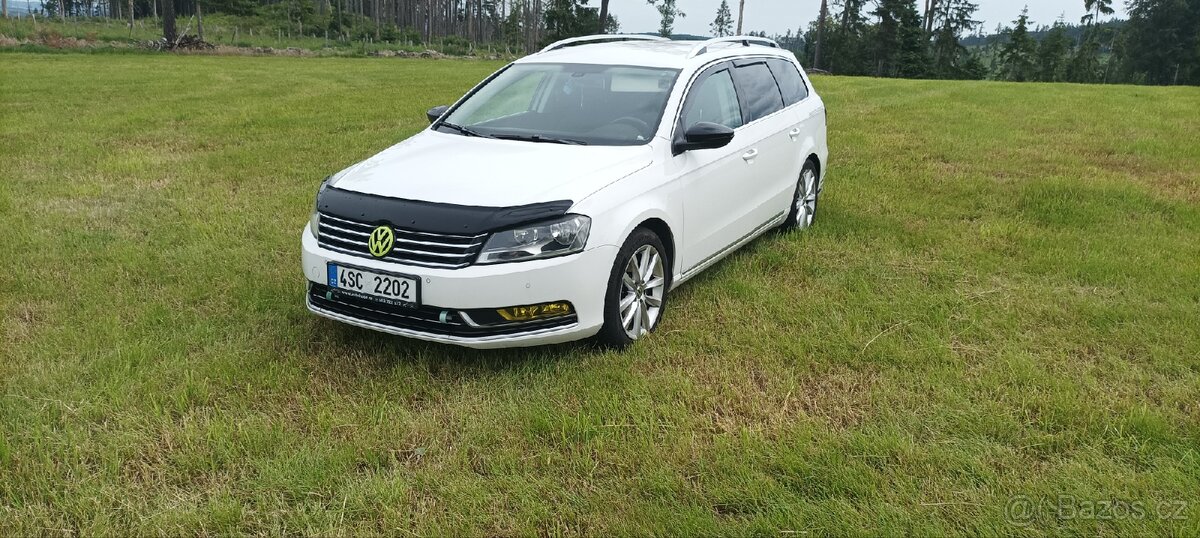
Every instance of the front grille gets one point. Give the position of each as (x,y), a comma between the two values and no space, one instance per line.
(426,319)
(413,248)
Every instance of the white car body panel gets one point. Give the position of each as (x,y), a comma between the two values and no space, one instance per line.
(485,172)
(711,201)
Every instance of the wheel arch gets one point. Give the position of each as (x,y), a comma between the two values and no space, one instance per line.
(664,233)
(816,162)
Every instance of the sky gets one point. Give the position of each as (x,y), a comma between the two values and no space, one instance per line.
(777,16)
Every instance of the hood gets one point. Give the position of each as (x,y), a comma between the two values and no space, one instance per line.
(474,171)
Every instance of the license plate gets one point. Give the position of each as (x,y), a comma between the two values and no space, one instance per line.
(392,289)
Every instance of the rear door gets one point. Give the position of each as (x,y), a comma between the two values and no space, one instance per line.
(808,115)
(775,160)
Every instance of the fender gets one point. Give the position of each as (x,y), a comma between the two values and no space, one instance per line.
(618,208)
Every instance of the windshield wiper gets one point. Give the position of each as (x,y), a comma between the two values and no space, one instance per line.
(464,130)
(542,138)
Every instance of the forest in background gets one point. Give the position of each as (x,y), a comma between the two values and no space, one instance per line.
(1159,42)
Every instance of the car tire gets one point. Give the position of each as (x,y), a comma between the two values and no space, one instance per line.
(804,202)
(637,290)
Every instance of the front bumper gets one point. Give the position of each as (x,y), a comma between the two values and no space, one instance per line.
(446,294)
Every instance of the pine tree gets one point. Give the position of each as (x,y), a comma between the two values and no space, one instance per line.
(950,20)
(723,25)
(1096,8)
(848,51)
(669,12)
(1017,56)
(1084,64)
(1162,42)
(1052,53)
(899,40)
(824,14)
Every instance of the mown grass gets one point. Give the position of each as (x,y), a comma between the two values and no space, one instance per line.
(1001,299)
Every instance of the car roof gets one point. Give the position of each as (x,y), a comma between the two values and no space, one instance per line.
(650,53)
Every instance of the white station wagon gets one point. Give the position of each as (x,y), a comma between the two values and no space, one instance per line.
(566,195)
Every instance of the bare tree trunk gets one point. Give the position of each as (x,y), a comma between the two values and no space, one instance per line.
(199,22)
(820,34)
(130,18)
(4,8)
(168,22)
(603,16)
(430,13)
(741,15)
(62,10)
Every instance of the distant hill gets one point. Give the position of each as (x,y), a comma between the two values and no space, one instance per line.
(1075,31)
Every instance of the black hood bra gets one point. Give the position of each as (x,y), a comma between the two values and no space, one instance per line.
(432,217)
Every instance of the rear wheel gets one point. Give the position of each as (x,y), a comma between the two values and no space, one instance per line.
(804,202)
(637,290)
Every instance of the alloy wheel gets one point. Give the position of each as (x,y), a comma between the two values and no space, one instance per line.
(806,199)
(643,285)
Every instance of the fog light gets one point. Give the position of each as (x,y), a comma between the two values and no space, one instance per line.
(534,311)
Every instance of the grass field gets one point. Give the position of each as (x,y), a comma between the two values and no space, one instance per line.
(996,322)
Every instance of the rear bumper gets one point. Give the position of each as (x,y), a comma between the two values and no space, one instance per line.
(448,296)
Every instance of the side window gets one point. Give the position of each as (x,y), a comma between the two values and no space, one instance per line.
(713,100)
(790,84)
(759,90)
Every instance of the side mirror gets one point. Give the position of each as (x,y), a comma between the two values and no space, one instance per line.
(436,112)
(704,135)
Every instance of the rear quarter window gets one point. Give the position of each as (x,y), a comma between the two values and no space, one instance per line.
(791,85)
(757,86)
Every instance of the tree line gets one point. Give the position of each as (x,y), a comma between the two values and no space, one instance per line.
(515,24)
(1159,42)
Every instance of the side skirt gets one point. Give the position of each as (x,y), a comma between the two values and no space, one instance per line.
(721,254)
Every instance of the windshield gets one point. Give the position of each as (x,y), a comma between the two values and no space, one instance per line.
(566,103)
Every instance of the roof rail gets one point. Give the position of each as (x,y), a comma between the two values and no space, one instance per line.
(598,39)
(745,40)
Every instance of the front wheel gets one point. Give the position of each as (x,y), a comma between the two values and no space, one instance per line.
(804,202)
(637,290)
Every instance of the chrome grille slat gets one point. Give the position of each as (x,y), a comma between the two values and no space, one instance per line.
(411,247)
(332,227)
(336,232)
(396,249)
(437,244)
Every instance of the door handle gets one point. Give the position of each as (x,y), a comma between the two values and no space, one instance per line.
(750,155)
(794,134)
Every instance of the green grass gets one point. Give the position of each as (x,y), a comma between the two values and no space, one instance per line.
(1001,298)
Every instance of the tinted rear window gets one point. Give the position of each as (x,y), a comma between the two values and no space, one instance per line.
(790,84)
(759,90)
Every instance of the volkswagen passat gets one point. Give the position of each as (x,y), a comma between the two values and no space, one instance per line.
(568,193)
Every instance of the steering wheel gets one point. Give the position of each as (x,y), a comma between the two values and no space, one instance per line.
(641,126)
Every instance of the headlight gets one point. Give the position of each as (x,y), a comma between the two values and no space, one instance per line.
(314,221)
(544,240)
